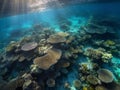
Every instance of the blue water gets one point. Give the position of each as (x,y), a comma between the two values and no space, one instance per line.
(12,28)
(20,23)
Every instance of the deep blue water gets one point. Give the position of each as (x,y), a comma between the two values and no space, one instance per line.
(12,28)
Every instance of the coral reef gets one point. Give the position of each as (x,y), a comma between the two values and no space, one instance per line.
(29,46)
(52,57)
(105,75)
(47,59)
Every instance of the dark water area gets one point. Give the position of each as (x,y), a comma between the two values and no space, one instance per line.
(72,47)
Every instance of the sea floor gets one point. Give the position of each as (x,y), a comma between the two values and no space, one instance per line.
(60,50)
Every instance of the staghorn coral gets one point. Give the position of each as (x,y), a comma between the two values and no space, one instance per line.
(106,57)
(105,75)
(13,84)
(98,54)
(29,46)
(46,61)
(93,53)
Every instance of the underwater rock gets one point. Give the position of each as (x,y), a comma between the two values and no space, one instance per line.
(29,46)
(105,75)
(50,82)
(46,61)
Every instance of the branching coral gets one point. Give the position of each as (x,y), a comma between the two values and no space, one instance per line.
(98,54)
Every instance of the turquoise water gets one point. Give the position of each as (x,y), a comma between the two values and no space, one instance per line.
(73,18)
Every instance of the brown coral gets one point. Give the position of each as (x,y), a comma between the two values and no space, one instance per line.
(93,80)
(93,53)
(105,75)
(29,46)
(77,84)
(46,61)
(57,38)
(100,88)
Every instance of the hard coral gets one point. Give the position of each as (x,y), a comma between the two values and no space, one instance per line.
(57,38)
(46,61)
(98,54)
(100,88)
(29,46)
(77,84)
(109,43)
(106,57)
(93,53)
(93,80)
(12,46)
(105,75)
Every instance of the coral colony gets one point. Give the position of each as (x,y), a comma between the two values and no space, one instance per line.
(43,59)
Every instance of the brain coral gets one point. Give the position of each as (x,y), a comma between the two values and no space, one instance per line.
(46,61)
(29,46)
(105,75)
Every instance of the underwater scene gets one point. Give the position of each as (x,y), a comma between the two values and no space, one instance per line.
(72,47)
